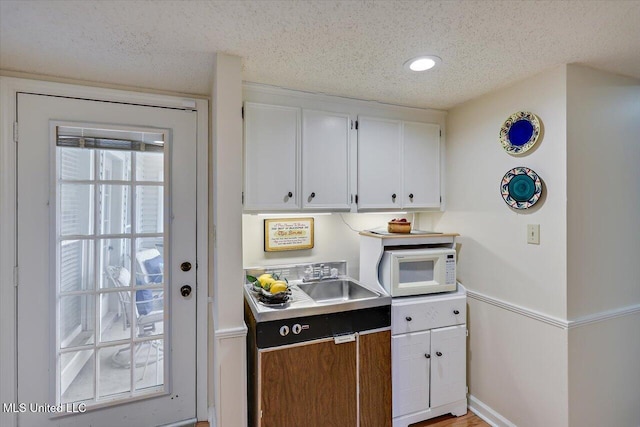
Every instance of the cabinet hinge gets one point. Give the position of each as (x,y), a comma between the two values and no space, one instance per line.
(356,199)
(440,133)
(242,112)
(467,390)
(356,125)
(440,199)
(15,276)
(243,198)
(15,131)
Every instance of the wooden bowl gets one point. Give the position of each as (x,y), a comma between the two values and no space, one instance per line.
(399,227)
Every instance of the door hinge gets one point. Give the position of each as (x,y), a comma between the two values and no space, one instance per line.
(15,131)
(15,276)
(440,133)
(242,112)
(356,125)
(351,124)
(467,332)
(243,198)
(356,199)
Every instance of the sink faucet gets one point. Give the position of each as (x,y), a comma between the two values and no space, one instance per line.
(317,273)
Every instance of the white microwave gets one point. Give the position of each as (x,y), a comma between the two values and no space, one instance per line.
(405,272)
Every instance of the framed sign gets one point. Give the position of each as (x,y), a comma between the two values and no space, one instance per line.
(288,234)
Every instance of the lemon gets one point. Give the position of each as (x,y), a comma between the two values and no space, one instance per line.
(266,280)
(278,286)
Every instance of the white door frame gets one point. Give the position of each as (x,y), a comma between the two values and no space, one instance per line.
(9,87)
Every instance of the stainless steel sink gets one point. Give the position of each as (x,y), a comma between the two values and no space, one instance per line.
(332,291)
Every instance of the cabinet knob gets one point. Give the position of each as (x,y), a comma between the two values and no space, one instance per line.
(289,194)
(408,318)
(393,196)
(411,195)
(313,195)
(456,312)
(427,355)
(438,354)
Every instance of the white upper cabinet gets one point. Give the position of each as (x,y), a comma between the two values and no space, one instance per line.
(421,165)
(379,163)
(325,160)
(398,164)
(271,152)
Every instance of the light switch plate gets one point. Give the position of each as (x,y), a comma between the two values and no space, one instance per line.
(533,234)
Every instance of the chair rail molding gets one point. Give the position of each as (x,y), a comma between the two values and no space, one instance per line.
(552,320)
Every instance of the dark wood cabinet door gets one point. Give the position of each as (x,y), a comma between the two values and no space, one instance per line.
(375,379)
(309,385)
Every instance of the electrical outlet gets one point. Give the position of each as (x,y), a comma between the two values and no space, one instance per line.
(533,234)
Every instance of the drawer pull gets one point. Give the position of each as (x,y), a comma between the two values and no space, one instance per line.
(427,355)
(438,354)
(408,318)
(456,312)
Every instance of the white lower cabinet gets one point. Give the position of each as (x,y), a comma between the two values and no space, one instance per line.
(428,357)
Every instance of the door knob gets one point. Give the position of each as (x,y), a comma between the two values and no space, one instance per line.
(185,266)
(393,196)
(438,354)
(313,195)
(408,318)
(456,312)
(427,355)
(185,290)
(289,194)
(411,195)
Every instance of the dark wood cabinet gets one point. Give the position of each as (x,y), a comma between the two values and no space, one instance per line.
(374,379)
(309,385)
(321,383)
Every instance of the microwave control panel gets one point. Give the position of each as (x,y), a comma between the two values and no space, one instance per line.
(450,269)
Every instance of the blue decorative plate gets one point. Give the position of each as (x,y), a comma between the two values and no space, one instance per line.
(520,132)
(521,188)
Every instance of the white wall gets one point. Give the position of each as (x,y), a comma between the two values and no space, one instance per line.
(526,357)
(603,229)
(603,194)
(517,366)
(227,346)
(336,238)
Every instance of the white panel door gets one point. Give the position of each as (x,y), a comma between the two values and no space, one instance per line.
(421,165)
(325,160)
(106,216)
(448,361)
(410,372)
(271,152)
(379,163)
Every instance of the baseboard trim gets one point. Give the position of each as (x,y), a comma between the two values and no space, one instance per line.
(487,413)
(554,321)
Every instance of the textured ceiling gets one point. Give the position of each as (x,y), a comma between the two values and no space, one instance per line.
(349,48)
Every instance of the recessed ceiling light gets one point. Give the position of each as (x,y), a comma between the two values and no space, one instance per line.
(422,63)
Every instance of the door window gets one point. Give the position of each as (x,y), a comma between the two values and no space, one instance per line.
(111,187)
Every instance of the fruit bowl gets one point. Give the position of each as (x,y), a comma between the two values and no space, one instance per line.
(399,225)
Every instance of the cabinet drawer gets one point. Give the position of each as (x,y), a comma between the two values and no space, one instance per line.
(421,313)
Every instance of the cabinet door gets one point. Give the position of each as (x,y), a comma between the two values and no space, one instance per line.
(309,385)
(379,163)
(448,361)
(375,379)
(410,355)
(271,145)
(421,165)
(325,160)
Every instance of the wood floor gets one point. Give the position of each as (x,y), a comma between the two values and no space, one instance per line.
(469,420)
